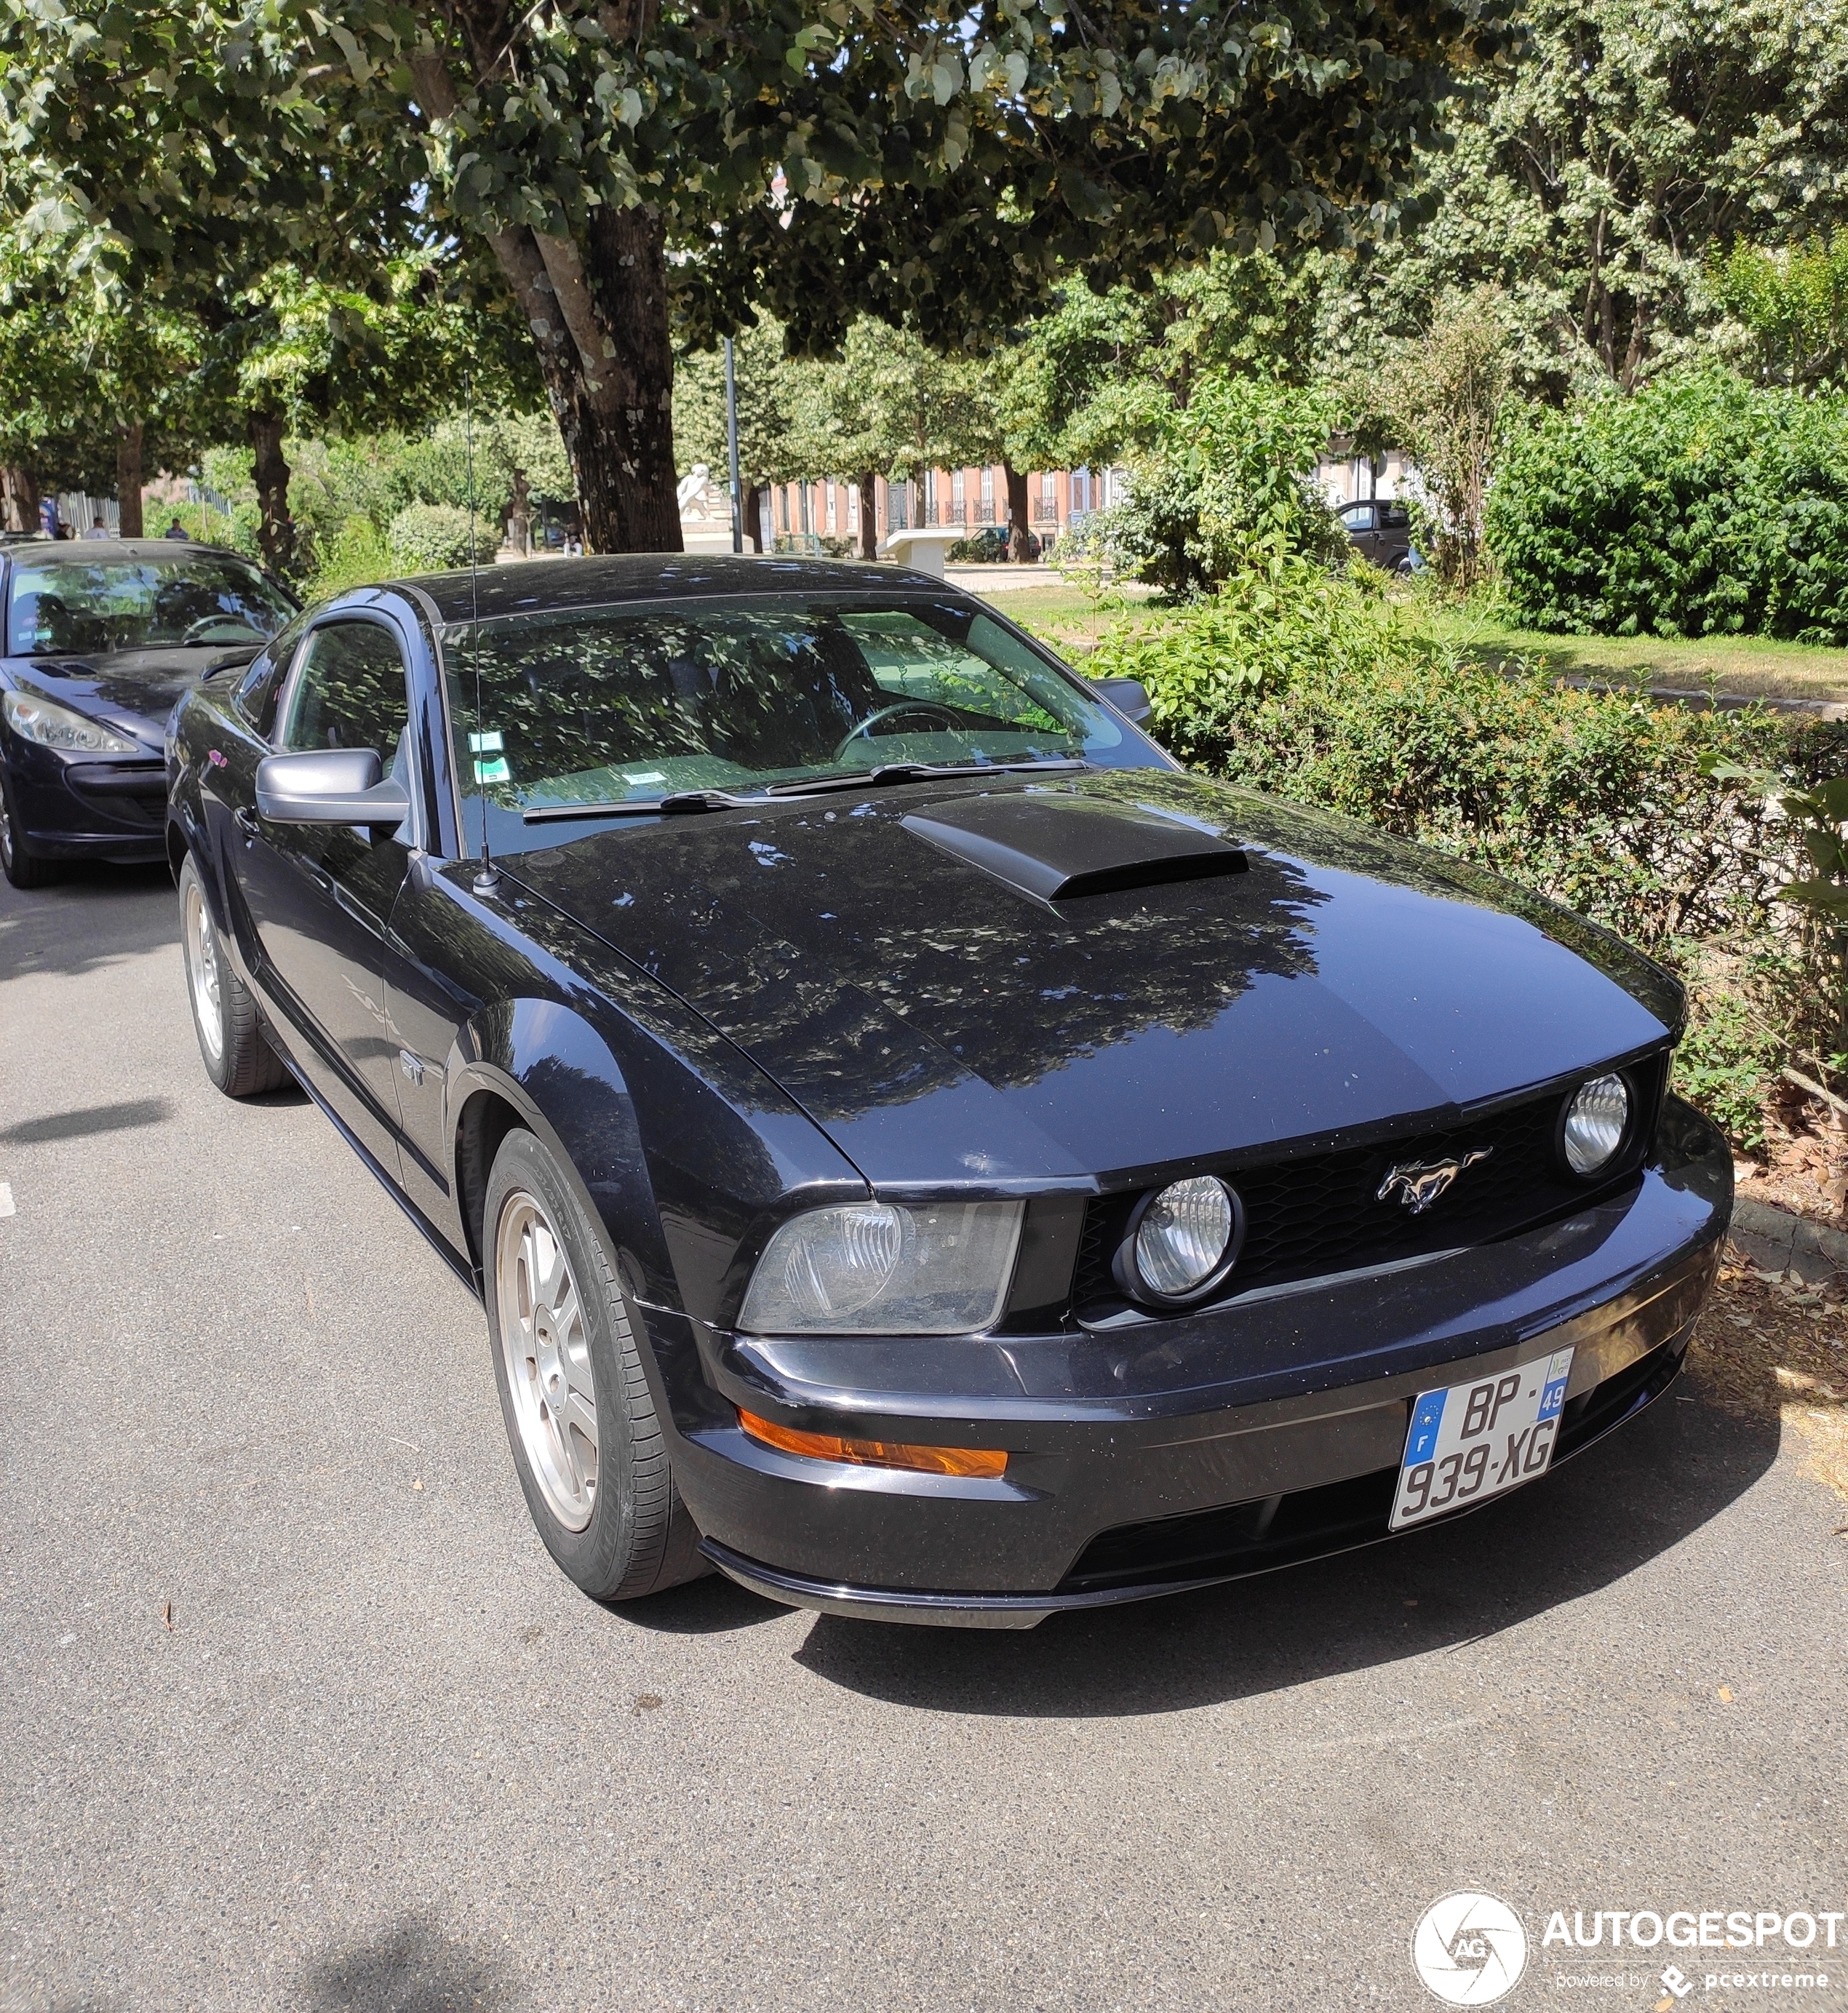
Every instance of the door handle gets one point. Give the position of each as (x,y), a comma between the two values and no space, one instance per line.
(246,820)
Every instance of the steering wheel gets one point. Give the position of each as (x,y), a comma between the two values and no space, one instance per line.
(864,730)
(200,630)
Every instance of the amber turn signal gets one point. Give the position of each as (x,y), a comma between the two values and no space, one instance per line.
(876,1453)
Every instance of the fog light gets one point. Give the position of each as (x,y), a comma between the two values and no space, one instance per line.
(989,1462)
(1596,1120)
(1185,1234)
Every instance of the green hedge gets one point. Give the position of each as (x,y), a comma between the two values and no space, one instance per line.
(1702,505)
(1312,687)
(433,538)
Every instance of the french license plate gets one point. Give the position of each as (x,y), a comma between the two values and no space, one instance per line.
(1475,1440)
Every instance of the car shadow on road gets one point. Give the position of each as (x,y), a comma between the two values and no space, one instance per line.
(409,1967)
(91,917)
(1600,1518)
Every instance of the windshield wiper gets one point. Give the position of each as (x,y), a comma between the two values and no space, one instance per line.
(917,772)
(678,803)
(681,802)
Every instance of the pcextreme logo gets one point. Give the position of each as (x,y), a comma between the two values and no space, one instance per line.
(1470,1949)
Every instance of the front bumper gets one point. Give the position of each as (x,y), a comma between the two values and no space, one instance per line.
(88,807)
(1161,1455)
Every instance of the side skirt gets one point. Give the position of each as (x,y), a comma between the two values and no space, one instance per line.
(432,1236)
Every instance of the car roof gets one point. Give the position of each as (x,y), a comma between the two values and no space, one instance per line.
(551,585)
(35,551)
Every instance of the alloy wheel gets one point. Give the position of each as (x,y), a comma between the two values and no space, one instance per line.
(546,1350)
(202,968)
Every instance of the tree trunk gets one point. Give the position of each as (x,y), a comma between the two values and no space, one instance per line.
(128,480)
(1019,532)
(18,497)
(277,533)
(597,311)
(869,515)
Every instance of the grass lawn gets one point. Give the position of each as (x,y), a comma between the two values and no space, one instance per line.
(1067,617)
(1744,665)
(1072,621)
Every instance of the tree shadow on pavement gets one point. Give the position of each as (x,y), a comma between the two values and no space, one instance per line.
(412,1968)
(1601,1516)
(93,915)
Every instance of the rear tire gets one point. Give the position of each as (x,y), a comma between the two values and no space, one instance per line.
(24,868)
(236,1057)
(587,1445)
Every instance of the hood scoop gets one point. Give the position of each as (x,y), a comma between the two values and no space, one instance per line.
(1058,847)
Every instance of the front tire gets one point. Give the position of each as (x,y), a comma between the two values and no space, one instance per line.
(587,1445)
(236,1057)
(24,869)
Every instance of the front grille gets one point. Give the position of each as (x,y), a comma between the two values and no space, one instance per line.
(1311,1523)
(1318,1213)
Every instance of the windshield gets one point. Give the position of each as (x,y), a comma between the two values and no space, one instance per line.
(608,706)
(193,600)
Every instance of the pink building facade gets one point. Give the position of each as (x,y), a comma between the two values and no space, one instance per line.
(970,498)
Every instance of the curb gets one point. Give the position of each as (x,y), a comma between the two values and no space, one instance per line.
(1776,1241)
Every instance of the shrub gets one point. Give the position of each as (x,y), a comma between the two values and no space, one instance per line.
(434,538)
(1308,685)
(354,557)
(1702,505)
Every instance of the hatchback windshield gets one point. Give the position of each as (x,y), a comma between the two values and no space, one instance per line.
(608,706)
(192,600)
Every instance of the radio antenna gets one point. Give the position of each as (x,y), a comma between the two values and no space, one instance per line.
(486,879)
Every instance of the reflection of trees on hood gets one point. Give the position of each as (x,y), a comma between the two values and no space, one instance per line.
(818,941)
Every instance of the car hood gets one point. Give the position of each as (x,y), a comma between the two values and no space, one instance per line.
(136,688)
(944,1025)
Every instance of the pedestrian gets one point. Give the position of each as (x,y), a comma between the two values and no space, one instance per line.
(98,529)
(176,530)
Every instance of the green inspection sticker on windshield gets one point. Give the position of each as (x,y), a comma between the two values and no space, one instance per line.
(490,743)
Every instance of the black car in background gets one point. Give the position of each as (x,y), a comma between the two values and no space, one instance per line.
(1380,530)
(98,639)
(921,1152)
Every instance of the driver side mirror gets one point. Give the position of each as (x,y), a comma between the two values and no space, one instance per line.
(1128,696)
(329,786)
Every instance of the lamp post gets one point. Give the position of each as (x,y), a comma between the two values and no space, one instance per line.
(738,518)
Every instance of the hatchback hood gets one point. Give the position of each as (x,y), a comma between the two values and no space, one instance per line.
(137,687)
(895,962)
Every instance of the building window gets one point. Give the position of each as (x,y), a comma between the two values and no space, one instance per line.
(929,498)
(832,507)
(853,506)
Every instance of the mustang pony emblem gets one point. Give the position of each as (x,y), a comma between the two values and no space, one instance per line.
(1418,1184)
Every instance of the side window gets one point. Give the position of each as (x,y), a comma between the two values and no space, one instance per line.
(1358,517)
(259,688)
(350,691)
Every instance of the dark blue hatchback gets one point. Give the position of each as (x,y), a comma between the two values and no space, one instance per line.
(100,640)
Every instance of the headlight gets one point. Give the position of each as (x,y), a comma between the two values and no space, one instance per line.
(1596,1120)
(1187,1233)
(35,719)
(874,1268)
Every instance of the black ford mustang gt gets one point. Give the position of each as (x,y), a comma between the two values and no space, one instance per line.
(920,1151)
(98,639)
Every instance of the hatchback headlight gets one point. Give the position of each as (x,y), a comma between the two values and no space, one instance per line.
(877,1268)
(1187,1233)
(1597,1120)
(35,719)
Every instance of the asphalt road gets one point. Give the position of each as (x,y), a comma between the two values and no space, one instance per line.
(297,1713)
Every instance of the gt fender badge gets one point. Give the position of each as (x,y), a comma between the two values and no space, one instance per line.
(1418,1184)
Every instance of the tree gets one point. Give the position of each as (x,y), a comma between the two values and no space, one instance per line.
(1443,398)
(622,161)
(1793,304)
(1594,183)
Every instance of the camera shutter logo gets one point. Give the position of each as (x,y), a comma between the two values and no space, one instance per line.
(1470,1949)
